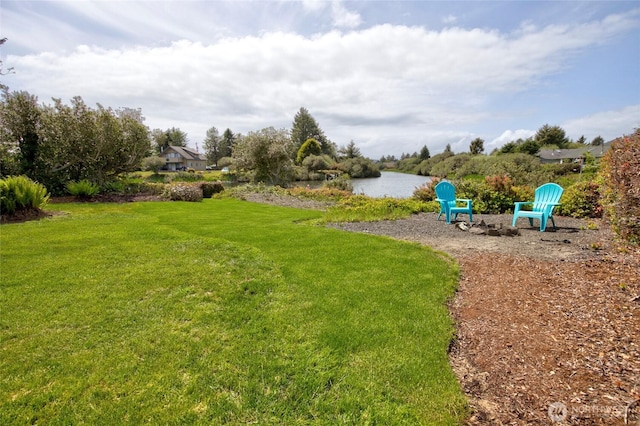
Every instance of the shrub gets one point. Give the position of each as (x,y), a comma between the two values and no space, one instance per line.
(620,175)
(183,177)
(426,192)
(21,193)
(581,199)
(82,188)
(182,192)
(210,188)
(342,182)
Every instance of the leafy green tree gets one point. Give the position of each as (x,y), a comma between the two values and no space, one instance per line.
(305,127)
(8,70)
(582,140)
(310,147)
(267,153)
(598,140)
(20,118)
(551,135)
(528,146)
(162,139)
(153,164)
(477,146)
(213,148)
(447,149)
(424,153)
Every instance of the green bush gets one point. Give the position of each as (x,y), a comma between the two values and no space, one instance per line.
(21,193)
(582,200)
(182,192)
(82,188)
(183,177)
(620,175)
(360,208)
(210,188)
(342,182)
(426,192)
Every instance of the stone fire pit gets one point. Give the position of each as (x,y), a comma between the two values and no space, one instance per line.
(491,229)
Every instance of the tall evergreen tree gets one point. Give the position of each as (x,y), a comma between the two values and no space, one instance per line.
(305,127)
(424,153)
(477,146)
(551,135)
(228,139)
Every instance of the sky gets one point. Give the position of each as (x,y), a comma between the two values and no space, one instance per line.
(391,76)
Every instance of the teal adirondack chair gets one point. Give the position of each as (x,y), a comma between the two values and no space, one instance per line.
(546,198)
(446,195)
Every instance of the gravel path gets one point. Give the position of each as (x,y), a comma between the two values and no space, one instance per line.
(573,238)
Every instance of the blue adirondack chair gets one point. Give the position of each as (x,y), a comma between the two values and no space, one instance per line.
(446,195)
(546,198)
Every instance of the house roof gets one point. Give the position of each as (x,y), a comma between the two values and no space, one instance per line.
(558,154)
(186,152)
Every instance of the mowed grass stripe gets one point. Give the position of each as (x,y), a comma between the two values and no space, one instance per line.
(220,312)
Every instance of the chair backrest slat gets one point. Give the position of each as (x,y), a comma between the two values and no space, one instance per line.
(549,193)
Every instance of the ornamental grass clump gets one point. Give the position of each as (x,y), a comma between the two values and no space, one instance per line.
(19,193)
(183,192)
(82,189)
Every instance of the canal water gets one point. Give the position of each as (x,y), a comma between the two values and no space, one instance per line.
(389,184)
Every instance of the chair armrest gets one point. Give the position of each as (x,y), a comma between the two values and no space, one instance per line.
(464,200)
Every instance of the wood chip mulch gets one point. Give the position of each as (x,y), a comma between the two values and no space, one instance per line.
(549,341)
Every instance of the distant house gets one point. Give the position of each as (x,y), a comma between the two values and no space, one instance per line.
(576,155)
(183,158)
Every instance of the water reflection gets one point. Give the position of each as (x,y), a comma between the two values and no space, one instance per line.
(389,184)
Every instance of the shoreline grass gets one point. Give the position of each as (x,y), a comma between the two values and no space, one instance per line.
(220,312)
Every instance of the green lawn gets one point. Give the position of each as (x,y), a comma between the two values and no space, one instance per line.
(220,312)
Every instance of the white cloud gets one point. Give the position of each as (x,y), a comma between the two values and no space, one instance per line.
(508,136)
(449,19)
(608,124)
(344,18)
(388,87)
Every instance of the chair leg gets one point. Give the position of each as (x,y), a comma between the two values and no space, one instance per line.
(530,222)
(554,222)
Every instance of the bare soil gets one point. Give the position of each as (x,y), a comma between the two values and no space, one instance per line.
(548,323)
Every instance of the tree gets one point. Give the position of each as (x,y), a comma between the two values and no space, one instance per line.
(170,137)
(213,146)
(305,127)
(598,140)
(153,164)
(350,151)
(551,135)
(527,146)
(477,146)
(267,153)
(310,147)
(582,140)
(228,139)
(447,149)
(8,70)
(20,118)
(424,153)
